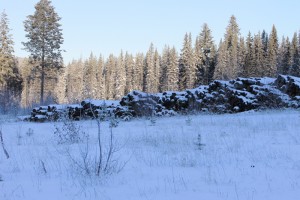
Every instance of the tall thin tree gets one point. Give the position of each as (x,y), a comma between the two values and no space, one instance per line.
(204,56)
(10,79)
(45,38)
(187,68)
(272,53)
(295,57)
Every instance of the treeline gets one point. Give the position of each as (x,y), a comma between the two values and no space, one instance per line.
(198,62)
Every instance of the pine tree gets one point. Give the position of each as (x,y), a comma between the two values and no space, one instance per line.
(44,36)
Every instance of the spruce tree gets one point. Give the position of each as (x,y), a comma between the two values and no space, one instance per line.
(272,64)
(227,62)
(45,38)
(120,77)
(94,76)
(199,62)
(149,71)
(172,70)
(75,81)
(187,69)
(25,72)
(60,88)
(258,56)
(204,56)
(110,76)
(10,80)
(287,57)
(220,72)
(265,42)
(88,76)
(249,57)
(284,56)
(231,41)
(138,77)
(7,60)
(157,68)
(242,56)
(129,67)
(294,69)
(100,77)
(165,62)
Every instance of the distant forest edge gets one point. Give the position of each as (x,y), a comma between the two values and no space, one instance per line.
(198,62)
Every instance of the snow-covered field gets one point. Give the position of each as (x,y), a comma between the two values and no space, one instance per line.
(252,155)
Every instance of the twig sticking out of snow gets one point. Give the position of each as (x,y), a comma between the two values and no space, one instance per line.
(3,147)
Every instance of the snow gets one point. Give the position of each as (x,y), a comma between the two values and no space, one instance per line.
(72,106)
(267,80)
(103,102)
(250,155)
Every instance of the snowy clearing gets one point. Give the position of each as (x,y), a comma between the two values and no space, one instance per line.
(250,155)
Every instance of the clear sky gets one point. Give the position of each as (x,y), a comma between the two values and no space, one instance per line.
(107,26)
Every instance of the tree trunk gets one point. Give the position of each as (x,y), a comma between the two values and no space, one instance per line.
(42,79)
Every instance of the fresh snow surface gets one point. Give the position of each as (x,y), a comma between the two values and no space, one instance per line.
(103,102)
(250,155)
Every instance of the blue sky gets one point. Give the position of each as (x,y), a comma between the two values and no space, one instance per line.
(104,27)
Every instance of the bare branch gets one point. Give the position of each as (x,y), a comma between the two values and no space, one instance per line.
(3,147)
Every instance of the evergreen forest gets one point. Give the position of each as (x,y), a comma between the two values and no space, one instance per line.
(199,61)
